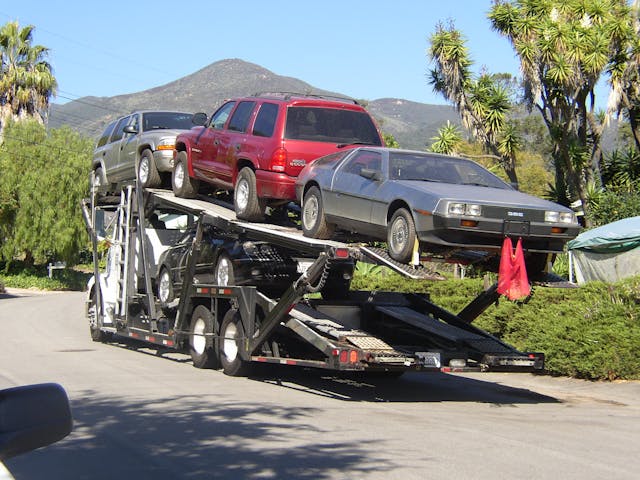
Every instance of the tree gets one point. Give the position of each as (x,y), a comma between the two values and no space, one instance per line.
(390,141)
(564,47)
(447,140)
(483,102)
(26,80)
(625,77)
(40,216)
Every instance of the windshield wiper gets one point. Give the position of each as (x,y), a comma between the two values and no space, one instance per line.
(475,184)
(422,179)
(342,145)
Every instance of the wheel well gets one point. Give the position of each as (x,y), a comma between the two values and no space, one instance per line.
(395,205)
(308,186)
(142,148)
(240,164)
(181,147)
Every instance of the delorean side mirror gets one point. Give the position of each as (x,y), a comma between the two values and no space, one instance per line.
(371,174)
(31,417)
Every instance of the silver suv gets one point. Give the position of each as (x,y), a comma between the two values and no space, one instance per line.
(140,146)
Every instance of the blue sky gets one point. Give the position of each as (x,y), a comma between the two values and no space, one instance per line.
(366,49)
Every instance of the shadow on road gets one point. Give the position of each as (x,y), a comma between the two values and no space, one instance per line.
(412,387)
(196,437)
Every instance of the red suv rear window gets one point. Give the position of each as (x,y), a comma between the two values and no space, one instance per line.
(332,125)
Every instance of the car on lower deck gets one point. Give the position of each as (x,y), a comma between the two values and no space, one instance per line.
(444,203)
(224,260)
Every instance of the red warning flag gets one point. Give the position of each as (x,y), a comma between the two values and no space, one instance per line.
(512,275)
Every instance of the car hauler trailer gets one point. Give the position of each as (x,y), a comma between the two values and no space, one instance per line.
(232,327)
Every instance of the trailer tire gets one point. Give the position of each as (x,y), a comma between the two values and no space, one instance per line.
(401,236)
(97,335)
(148,174)
(182,184)
(230,343)
(202,349)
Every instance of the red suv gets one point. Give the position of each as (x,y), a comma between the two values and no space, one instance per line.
(257,145)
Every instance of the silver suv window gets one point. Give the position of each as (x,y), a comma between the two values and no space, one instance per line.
(119,130)
(166,121)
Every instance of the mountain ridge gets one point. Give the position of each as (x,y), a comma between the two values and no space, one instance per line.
(412,124)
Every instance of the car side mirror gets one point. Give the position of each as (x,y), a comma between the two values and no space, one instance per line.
(199,119)
(371,174)
(130,129)
(31,417)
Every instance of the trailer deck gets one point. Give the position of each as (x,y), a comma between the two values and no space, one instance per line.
(232,326)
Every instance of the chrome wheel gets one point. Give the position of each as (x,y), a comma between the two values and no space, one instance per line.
(178,175)
(229,343)
(399,234)
(310,213)
(242,194)
(165,287)
(198,340)
(143,170)
(224,271)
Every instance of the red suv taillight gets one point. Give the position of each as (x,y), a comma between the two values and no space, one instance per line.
(279,160)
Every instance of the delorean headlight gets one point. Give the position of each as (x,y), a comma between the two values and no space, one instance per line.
(469,209)
(568,217)
(551,217)
(473,210)
(559,217)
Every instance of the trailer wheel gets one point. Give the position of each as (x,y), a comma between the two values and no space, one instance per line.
(147,171)
(231,339)
(97,335)
(245,197)
(165,287)
(182,184)
(314,223)
(202,348)
(401,236)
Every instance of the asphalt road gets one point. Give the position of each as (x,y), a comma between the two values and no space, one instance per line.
(147,415)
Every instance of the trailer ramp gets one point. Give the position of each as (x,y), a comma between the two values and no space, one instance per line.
(443,330)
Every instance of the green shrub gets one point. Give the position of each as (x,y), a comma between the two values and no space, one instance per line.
(20,275)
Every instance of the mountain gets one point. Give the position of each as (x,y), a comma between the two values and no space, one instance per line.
(412,124)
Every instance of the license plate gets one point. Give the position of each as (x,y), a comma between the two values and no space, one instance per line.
(519,229)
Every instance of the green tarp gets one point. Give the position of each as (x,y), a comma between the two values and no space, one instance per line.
(614,237)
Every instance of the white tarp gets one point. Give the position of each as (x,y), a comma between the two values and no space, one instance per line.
(606,267)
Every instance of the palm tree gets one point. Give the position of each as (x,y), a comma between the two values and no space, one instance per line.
(483,102)
(447,140)
(564,47)
(26,79)
(625,77)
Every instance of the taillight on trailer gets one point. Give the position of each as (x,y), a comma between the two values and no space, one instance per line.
(279,160)
(342,253)
(346,356)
